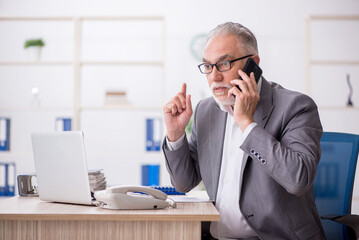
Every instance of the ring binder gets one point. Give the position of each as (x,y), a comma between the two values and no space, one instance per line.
(153,134)
(2,179)
(150,175)
(63,124)
(4,134)
(7,179)
(10,180)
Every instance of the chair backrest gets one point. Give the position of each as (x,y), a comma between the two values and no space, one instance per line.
(333,184)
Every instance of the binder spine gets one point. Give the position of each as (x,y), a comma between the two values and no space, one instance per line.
(153,134)
(10,179)
(63,124)
(157,126)
(149,134)
(4,134)
(3,176)
(150,175)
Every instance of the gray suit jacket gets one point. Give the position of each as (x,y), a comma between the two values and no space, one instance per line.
(279,165)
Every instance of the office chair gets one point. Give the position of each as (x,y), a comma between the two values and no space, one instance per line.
(333,185)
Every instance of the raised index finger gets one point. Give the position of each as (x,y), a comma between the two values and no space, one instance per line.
(184,89)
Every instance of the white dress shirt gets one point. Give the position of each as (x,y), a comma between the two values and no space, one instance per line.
(232,224)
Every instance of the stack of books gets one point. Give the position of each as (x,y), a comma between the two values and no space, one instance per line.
(97,180)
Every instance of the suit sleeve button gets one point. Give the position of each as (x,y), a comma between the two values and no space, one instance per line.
(264,161)
(252,151)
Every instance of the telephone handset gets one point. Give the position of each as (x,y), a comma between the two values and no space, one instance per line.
(125,189)
(132,197)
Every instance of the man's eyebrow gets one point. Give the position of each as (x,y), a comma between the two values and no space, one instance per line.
(221,58)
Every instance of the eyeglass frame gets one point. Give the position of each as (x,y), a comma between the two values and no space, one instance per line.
(230,64)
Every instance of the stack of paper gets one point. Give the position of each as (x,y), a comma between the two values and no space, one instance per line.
(97,180)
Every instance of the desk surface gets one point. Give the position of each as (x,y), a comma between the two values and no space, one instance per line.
(32,208)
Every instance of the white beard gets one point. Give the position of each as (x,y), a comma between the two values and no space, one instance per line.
(228,101)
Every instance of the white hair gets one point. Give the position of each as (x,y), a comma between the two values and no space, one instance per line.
(243,34)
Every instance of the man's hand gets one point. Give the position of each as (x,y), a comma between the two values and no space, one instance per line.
(246,100)
(177,114)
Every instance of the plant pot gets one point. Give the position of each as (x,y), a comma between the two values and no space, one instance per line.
(34,53)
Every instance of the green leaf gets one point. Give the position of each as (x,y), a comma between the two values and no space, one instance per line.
(34,43)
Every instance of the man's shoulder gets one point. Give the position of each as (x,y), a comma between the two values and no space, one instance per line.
(205,106)
(207,102)
(288,97)
(281,93)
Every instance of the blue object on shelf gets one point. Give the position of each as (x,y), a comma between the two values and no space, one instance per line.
(7,179)
(63,124)
(150,175)
(153,134)
(168,190)
(4,134)
(2,179)
(10,179)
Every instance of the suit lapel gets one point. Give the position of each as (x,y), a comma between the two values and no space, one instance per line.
(265,105)
(216,128)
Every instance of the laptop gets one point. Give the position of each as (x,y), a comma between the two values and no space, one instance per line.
(61,167)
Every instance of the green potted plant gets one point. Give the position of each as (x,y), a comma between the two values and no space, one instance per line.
(35,45)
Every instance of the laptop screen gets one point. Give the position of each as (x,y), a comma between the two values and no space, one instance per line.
(61,167)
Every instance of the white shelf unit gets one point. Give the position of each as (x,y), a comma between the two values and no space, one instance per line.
(35,63)
(78,108)
(78,62)
(332,57)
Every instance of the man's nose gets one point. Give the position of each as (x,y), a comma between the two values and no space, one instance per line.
(216,75)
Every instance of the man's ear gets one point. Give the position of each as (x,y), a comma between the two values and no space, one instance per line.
(256,59)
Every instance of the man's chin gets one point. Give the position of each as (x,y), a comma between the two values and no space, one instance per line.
(226,101)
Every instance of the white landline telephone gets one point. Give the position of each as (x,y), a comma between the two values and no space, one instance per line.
(132,197)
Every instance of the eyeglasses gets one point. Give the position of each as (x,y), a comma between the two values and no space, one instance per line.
(221,66)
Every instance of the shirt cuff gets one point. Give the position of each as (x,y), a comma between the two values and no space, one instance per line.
(248,130)
(173,146)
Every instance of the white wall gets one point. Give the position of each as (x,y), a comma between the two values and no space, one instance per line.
(279,26)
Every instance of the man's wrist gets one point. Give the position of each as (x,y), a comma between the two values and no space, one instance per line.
(174,136)
(248,130)
(172,146)
(244,123)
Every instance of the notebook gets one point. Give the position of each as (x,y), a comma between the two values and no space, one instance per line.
(61,167)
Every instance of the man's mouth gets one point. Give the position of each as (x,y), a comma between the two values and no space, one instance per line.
(220,90)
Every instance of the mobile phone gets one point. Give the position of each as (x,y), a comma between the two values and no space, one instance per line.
(252,66)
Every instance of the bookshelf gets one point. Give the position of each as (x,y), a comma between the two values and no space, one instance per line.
(85,56)
(332,60)
(333,48)
(78,63)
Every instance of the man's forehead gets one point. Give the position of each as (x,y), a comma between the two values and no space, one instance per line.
(221,46)
(218,58)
